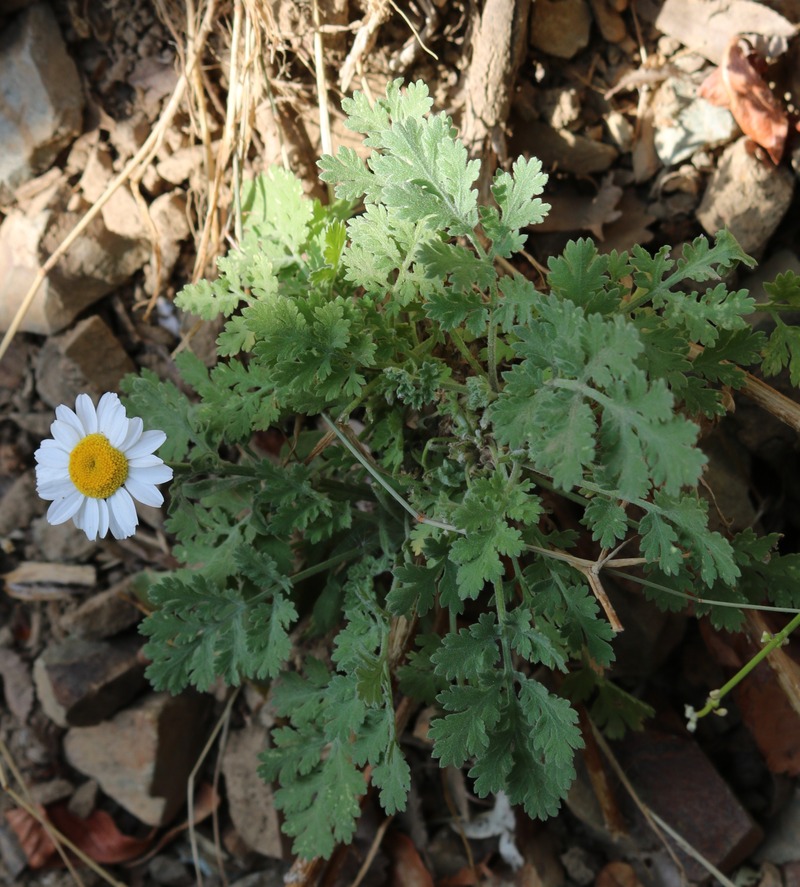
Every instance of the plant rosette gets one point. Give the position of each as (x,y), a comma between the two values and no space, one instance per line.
(399,450)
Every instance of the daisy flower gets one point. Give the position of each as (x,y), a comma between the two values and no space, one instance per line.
(96,464)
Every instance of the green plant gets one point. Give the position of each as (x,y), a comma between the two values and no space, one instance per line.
(431,406)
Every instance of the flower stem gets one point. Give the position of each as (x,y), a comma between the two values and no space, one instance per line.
(500,606)
(716,696)
(465,353)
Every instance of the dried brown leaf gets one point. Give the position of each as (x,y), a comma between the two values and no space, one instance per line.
(97,836)
(617,874)
(408,869)
(738,84)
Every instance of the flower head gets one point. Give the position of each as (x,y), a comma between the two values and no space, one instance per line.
(95,462)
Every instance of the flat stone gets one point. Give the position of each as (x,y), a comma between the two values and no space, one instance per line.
(250,799)
(84,799)
(685,124)
(748,195)
(560,27)
(168,212)
(97,353)
(142,757)
(61,543)
(82,682)
(53,790)
(708,27)
(609,21)
(98,262)
(567,150)
(781,846)
(87,359)
(42,107)
(17,684)
(104,614)
(673,776)
(20,504)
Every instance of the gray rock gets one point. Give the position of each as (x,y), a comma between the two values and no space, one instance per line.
(143,756)
(104,614)
(42,100)
(20,504)
(748,195)
(250,800)
(781,845)
(570,151)
(560,27)
(61,543)
(685,124)
(81,682)
(98,262)
(88,358)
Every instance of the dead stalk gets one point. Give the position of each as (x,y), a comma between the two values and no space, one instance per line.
(141,157)
(322,86)
(58,840)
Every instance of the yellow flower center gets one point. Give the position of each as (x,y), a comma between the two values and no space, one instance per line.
(96,468)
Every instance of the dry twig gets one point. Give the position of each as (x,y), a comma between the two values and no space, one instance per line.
(140,159)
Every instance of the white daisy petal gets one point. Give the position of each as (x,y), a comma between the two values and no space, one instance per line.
(145,493)
(149,441)
(145,461)
(102,527)
(86,413)
(105,405)
(111,419)
(90,515)
(46,473)
(152,474)
(63,509)
(52,457)
(135,426)
(55,489)
(69,417)
(66,435)
(122,514)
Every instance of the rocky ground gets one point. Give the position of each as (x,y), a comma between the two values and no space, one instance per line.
(121,140)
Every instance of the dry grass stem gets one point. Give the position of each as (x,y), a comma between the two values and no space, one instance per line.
(634,795)
(373,849)
(58,840)
(322,86)
(222,721)
(378,11)
(779,405)
(140,158)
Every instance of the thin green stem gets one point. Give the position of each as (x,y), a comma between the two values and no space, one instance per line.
(500,606)
(491,340)
(219,468)
(735,605)
(639,297)
(465,353)
(775,306)
(322,566)
(491,354)
(359,456)
(716,696)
